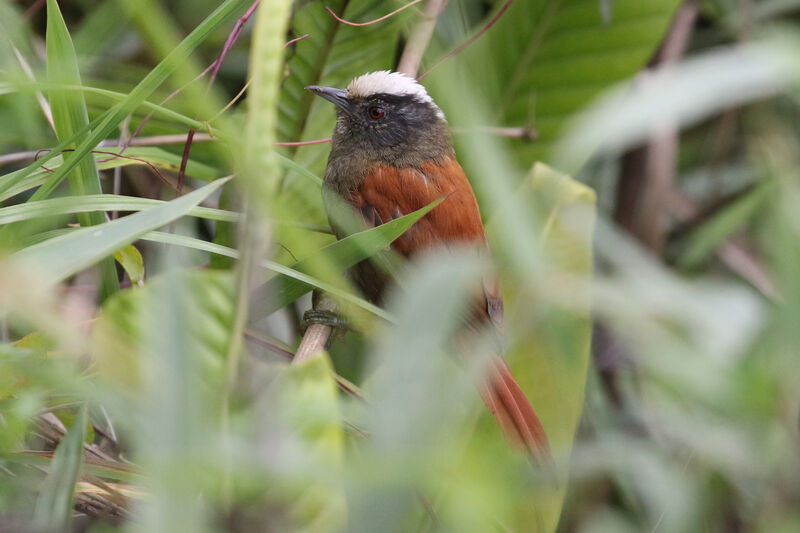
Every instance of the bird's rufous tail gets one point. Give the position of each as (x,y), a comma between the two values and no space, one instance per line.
(514,413)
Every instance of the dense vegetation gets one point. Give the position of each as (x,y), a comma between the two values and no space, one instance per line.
(161,229)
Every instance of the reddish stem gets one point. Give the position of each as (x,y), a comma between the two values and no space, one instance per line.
(33,9)
(289,43)
(469,41)
(185,159)
(380,19)
(231,40)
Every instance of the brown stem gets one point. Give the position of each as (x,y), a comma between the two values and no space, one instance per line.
(419,39)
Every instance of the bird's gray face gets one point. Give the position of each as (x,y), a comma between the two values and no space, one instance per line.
(382,121)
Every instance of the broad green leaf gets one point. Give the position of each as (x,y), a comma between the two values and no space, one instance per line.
(543,60)
(69,116)
(67,254)
(54,504)
(131,261)
(551,360)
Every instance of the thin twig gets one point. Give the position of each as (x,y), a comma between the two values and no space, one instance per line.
(317,335)
(469,41)
(304,143)
(379,19)
(229,42)
(526,133)
(185,159)
(124,133)
(33,9)
(292,41)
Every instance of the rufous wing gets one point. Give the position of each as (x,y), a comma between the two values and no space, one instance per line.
(388,193)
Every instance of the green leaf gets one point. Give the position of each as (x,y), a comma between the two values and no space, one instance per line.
(54,504)
(106,158)
(118,335)
(281,290)
(307,398)
(106,123)
(551,359)
(708,237)
(70,116)
(67,254)
(543,60)
(131,260)
(98,202)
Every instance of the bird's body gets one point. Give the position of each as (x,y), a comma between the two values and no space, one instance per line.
(391,155)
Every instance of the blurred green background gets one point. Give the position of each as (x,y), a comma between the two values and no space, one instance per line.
(636,167)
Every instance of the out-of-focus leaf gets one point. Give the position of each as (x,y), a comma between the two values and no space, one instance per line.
(70,253)
(131,261)
(417,398)
(54,504)
(307,398)
(706,238)
(551,360)
(98,202)
(70,116)
(679,96)
(117,334)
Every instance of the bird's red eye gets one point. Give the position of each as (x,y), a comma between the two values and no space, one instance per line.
(376,112)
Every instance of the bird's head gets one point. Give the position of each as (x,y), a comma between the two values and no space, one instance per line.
(385,112)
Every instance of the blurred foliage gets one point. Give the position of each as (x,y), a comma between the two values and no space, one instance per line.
(168,404)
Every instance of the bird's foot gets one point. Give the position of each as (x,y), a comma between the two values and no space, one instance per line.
(326,318)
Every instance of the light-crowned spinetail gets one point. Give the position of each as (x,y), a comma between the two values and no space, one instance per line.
(391,154)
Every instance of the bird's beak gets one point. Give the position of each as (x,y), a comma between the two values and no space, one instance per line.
(337,96)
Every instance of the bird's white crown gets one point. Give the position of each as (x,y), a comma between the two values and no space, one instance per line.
(388,82)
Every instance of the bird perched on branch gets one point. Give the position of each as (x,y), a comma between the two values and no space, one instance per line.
(391,154)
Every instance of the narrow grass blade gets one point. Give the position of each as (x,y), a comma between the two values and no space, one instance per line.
(65,255)
(104,125)
(54,504)
(279,291)
(69,116)
(98,202)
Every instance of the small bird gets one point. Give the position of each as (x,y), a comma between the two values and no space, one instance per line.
(391,154)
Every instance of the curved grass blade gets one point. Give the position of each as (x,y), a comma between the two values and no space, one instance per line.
(106,123)
(98,202)
(67,254)
(54,504)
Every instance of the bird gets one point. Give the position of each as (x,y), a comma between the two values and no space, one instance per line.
(391,154)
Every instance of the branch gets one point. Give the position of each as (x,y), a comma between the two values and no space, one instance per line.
(419,39)
(317,335)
